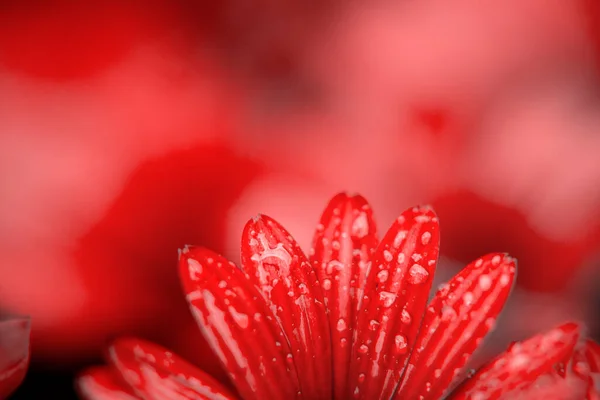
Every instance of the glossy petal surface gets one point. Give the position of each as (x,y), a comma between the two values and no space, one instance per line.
(155,373)
(462,312)
(14,353)
(351,322)
(566,381)
(239,326)
(342,246)
(103,383)
(391,309)
(516,373)
(278,267)
(592,358)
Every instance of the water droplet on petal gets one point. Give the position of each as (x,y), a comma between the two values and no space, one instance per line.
(401,345)
(417,274)
(443,289)
(421,219)
(194,268)
(360,226)
(485,282)
(581,368)
(341,325)
(334,265)
(518,361)
(383,275)
(387,298)
(399,238)
(387,255)
(405,317)
(448,313)
(326,284)
(478,396)
(468,298)
(425,238)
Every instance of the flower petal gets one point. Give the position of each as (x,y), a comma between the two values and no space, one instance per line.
(103,383)
(239,326)
(516,373)
(343,243)
(277,265)
(566,381)
(592,357)
(396,292)
(14,353)
(155,373)
(462,312)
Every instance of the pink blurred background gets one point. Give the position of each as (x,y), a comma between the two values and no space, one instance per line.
(129,129)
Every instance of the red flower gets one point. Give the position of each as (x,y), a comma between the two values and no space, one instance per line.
(14,353)
(350,321)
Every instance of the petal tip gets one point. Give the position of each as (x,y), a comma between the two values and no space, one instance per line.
(571,327)
(422,214)
(257,223)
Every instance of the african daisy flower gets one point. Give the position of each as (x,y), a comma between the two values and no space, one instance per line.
(349,322)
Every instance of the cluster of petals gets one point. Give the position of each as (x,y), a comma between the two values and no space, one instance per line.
(350,321)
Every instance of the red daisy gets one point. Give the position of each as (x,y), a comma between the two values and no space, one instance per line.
(14,353)
(350,321)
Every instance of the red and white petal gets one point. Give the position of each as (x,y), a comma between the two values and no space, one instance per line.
(392,305)
(103,383)
(238,325)
(343,244)
(525,369)
(592,357)
(567,381)
(14,353)
(462,312)
(155,373)
(278,267)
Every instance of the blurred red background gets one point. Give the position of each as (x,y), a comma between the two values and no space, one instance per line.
(129,129)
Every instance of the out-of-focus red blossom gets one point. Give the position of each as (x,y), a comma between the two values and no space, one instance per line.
(591,10)
(123,260)
(475,225)
(387,56)
(268,40)
(179,198)
(349,321)
(99,99)
(14,353)
(62,40)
